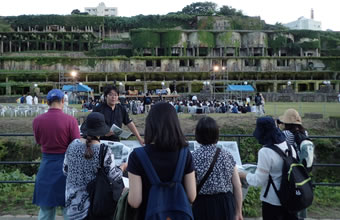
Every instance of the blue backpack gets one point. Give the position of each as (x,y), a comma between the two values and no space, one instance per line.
(167,200)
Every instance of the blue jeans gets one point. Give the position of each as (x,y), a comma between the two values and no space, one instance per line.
(48,213)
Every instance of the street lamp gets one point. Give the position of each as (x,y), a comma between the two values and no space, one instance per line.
(74,75)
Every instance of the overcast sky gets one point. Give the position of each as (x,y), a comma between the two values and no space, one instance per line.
(272,11)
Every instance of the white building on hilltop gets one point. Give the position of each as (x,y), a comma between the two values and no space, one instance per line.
(305,23)
(102,10)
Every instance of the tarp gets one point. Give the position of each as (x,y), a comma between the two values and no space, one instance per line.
(240,88)
(76,88)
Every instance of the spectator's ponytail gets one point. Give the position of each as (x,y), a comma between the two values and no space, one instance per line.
(88,151)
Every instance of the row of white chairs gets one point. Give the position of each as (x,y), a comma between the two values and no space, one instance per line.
(24,110)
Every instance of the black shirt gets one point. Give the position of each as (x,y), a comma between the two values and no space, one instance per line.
(164,164)
(118,116)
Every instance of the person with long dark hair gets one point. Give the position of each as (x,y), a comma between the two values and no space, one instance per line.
(81,164)
(294,132)
(163,141)
(220,196)
(292,127)
(269,164)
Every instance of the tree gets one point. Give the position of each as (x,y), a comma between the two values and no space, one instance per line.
(200,8)
(229,11)
(75,12)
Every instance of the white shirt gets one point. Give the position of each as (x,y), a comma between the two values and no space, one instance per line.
(35,100)
(269,162)
(66,99)
(29,100)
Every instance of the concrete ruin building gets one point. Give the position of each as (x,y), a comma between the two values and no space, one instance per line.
(285,65)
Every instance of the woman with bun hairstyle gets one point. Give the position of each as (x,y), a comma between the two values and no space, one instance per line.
(81,164)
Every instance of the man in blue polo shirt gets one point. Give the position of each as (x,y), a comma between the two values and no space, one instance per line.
(53,131)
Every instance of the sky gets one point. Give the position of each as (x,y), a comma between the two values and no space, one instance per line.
(271,11)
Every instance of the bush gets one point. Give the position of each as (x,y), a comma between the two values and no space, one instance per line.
(20,150)
(252,203)
(14,197)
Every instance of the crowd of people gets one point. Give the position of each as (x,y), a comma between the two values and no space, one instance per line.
(191,106)
(28,99)
(210,177)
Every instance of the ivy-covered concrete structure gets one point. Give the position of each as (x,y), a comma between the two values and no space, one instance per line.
(271,61)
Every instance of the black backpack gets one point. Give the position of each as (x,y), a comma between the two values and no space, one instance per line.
(258,100)
(104,193)
(147,100)
(296,190)
(167,200)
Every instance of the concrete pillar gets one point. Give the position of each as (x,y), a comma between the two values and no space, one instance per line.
(145,87)
(263,51)
(86,78)
(337,87)
(316,86)
(125,77)
(8,87)
(221,52)
(275,87)
(10,46)
(254,84)
(105,77)
(189,87)
(296,87)
(1,47)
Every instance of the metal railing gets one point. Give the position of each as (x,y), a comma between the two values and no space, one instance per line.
(222,136)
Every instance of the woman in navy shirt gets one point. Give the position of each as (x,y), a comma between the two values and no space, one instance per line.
(163,139)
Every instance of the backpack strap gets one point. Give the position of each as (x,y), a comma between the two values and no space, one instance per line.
(207,174)
(102,153)
(279,151)
(147,165)
(282,155)
(180,165)
(270,182)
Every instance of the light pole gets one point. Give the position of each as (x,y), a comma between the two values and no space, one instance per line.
(74,75)
(216,68)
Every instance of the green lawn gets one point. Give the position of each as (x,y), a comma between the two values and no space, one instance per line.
(325,108)
(277,108)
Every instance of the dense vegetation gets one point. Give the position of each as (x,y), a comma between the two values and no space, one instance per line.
(13,196)
(186,19)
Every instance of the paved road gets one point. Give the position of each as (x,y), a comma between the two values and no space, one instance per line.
(29,217)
